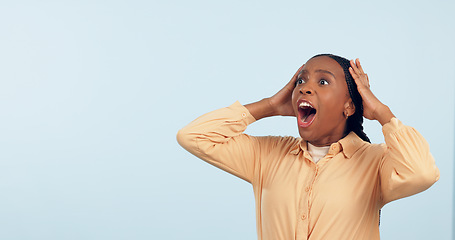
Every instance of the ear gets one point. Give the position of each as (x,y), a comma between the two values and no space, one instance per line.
(349,108)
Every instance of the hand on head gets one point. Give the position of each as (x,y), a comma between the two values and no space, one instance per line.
(281,103)
(282,100)
(373,109)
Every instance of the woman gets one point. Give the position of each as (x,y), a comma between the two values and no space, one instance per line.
(331,183)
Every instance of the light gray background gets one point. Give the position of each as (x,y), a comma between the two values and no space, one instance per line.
(93,93)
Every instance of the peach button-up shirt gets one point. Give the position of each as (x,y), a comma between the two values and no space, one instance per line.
(337,198)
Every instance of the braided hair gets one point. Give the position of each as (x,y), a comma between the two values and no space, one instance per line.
(355,121)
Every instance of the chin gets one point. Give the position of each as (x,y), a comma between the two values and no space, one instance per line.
(306,135)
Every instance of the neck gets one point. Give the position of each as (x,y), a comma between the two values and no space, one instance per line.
(328,140)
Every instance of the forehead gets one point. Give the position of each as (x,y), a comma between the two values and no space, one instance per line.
(324,63)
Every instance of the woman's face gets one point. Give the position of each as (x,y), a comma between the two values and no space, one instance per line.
(320,100)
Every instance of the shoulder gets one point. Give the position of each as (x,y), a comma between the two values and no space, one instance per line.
(354,146)
(279,143)
(279,140)
(377,147)
(372,150)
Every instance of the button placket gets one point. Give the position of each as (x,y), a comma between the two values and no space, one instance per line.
(310,194)
(303,214)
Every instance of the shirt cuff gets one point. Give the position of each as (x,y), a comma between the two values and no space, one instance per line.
(243,112)
(392,126)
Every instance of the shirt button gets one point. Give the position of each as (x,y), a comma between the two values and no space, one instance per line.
(243,115)
(307,189)
(303,217)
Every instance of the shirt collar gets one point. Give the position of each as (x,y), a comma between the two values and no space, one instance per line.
(348,145)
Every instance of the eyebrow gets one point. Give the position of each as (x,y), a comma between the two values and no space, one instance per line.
(325,71)
(318,70)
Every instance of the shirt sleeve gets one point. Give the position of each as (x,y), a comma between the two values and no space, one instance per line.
(217,138)
(407,166)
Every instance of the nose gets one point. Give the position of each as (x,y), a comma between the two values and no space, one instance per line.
(306,90)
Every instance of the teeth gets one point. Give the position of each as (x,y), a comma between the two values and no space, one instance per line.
(305,104)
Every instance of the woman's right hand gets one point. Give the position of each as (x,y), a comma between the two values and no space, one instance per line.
(279,104)
(281,101)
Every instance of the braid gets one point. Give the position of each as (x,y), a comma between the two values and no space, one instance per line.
(355,121)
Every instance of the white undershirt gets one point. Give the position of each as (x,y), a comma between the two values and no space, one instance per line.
(317,152)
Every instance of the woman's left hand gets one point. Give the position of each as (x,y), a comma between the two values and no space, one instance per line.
(373,109)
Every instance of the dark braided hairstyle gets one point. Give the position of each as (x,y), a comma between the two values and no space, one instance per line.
(355,121)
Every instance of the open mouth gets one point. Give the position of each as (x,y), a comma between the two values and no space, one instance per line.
(307,114)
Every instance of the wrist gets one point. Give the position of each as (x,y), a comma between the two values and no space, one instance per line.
(261,109)
(272,110)
(383,114)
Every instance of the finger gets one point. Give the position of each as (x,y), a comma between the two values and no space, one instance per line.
(359,66)
(354,67)
(298,71)
(293,80)
(368,80)
(352,64)
(354,74)
(358,80)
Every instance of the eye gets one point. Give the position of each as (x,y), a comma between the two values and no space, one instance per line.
(323,82)
(299,81)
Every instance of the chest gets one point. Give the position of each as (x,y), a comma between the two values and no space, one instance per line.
(334,183)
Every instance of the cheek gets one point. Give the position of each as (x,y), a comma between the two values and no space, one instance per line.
(333,104)
(294,96)
(294,93)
